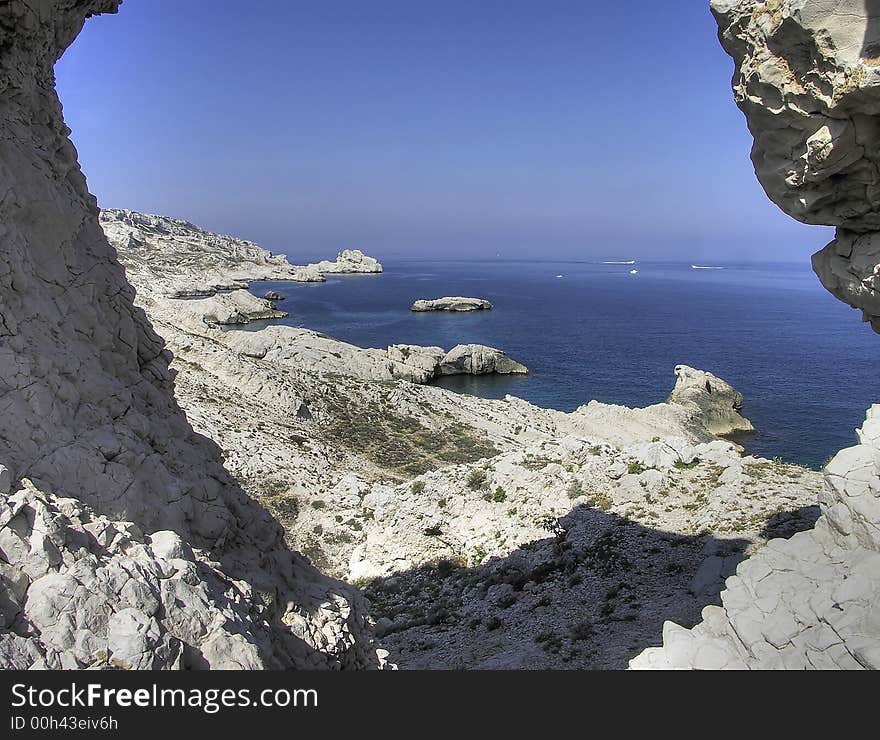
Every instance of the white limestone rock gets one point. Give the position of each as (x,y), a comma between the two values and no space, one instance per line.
(99,449)
(478,359)
(228,309)
(719,403)
(414,363)
(451,303)
(806,77)
(348,261)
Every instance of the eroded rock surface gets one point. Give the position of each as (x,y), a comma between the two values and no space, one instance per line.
(88,416)
(718,401)
(807,77)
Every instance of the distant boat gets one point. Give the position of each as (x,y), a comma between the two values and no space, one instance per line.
(705,267)
(560,276)
(613,262)
(633,272)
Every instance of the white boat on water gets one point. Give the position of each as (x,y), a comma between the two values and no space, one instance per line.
(560,275)
(613,262)
(705,267)
(633,272)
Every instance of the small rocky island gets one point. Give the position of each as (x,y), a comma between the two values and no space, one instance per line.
(452,303)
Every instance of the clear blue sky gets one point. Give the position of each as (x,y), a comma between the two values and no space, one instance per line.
(544,128)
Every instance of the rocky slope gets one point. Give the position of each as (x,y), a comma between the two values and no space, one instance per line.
(117,504)
(807,79)
(176,259)
(439,502)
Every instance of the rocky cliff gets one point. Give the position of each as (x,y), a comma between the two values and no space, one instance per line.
(116,504)
(807,77)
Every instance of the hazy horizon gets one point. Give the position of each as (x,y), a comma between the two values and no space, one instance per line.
(556,130)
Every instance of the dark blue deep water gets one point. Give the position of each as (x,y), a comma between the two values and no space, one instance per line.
(804,361)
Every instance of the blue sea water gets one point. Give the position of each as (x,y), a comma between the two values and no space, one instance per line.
(804,361)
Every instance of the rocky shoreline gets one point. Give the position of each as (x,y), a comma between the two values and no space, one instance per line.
(387,479)
(180,494)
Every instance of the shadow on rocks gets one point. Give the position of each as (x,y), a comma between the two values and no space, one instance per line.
(591,595)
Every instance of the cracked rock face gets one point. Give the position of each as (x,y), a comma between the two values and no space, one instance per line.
(807,77)
(99,458)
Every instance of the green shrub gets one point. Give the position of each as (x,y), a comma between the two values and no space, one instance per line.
(601,501)
(682,465)
(636,468)
(500,496)
(476,479)
(417,487)
(318,504)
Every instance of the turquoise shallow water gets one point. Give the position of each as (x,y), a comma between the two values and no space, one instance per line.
(803,360)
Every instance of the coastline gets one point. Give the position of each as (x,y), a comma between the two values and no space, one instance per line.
(375,478)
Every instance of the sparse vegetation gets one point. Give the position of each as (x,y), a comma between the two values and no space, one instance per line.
(476,479)
(635,468)
(538,462)
(500,496)
(682,465)
(402,444)
(601,501)
(417,487)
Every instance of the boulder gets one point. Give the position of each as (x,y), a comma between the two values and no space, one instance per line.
(478,359)
(414,363)
(719,403)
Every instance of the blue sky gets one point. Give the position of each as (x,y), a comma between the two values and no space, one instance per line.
(548,128)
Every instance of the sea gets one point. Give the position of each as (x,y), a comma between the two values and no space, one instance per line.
(805,362)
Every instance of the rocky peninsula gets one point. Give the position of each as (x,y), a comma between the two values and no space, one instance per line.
(451,303)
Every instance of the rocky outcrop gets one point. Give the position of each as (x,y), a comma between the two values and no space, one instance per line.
(422,364)
(451,303)
(176,259)
(478,359)
(229,309)
(102,463)
(719,403)
(807,78)
(415,363)
(347,261)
